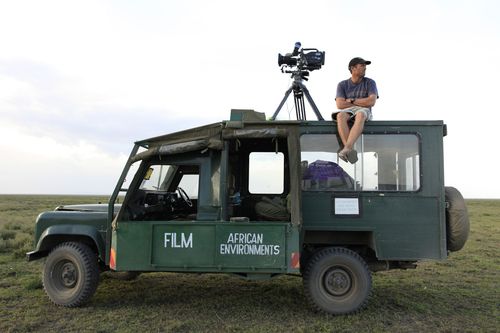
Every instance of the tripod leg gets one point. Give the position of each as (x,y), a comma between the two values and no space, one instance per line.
(298,111)
(282,103)
(300,107)
(303,107)
(313,105)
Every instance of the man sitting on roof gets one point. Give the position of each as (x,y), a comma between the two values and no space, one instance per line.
(355,98)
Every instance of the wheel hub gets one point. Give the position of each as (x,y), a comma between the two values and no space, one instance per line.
(337,281)
(69,275)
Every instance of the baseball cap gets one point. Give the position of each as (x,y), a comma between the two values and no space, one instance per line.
(358,60)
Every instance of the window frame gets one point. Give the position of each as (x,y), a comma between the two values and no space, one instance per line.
(419,174)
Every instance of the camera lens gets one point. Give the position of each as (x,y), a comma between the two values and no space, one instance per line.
(286,60)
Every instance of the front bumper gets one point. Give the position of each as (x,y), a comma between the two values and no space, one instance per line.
(34,255)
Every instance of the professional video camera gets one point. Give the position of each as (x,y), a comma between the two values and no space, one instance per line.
(303,59)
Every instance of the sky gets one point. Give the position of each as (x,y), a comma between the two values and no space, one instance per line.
(80,81)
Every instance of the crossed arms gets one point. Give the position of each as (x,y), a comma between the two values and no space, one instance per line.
(366,102)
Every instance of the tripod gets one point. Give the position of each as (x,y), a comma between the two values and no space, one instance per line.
(299,90)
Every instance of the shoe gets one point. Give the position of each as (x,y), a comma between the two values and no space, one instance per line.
(352,156)
(348,155)
(343,155)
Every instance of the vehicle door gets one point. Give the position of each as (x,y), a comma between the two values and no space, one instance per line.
(157,227)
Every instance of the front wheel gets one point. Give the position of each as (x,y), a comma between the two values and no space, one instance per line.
(71,274)
(337,281)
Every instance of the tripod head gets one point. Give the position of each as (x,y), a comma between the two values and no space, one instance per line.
(297,73)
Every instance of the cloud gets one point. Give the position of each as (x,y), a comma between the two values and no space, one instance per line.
(43,102)
(41,165)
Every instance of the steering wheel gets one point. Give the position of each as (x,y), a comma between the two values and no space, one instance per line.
(184,197)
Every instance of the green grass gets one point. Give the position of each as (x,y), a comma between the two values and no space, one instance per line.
(461,294)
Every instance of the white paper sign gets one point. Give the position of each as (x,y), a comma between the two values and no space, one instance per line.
(346,206)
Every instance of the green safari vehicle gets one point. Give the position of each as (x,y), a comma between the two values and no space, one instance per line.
(260,199)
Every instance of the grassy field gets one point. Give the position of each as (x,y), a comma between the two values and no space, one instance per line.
(461,294)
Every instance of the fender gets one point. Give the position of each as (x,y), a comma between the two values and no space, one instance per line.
(56,234)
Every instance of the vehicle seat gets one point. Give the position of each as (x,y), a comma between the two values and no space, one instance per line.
(275,209)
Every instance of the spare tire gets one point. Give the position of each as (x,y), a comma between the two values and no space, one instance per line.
(457,219)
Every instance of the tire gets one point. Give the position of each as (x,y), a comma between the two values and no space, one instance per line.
(457,220)
(71,274)
(337,281)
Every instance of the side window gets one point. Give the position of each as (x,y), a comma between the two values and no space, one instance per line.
(130,176)
(189,183)
(266,173)
(157,176)
(395,165)
(387,162)
(158,197)
(163,177)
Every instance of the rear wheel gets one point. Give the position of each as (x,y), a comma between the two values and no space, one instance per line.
(71,274)
(337,281)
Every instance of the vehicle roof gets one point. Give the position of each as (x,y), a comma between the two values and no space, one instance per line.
(214,129)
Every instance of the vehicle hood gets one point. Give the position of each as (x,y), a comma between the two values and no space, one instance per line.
(87,208)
